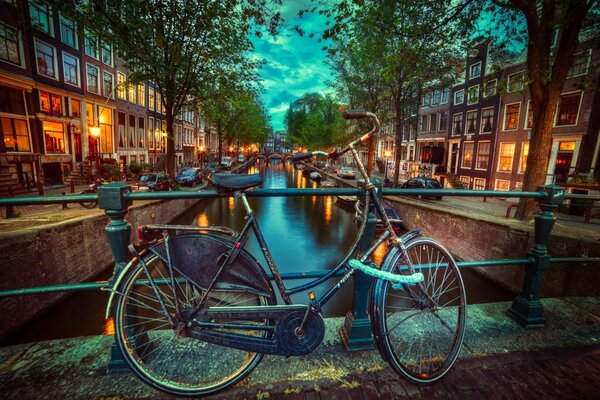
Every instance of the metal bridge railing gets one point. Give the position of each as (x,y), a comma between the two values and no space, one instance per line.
(526,309)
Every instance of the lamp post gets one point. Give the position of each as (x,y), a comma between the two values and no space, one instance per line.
(201,155)
(387,156)
(95,133)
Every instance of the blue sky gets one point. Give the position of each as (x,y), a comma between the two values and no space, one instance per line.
(294,64)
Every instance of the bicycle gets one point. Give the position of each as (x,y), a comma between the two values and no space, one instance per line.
(194,312)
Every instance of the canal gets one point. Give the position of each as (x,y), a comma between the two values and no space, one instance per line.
(304,234)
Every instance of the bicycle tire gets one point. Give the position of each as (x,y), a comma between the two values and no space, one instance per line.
(173,363)
(420,341)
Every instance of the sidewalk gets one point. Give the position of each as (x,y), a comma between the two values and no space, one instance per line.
(500,360)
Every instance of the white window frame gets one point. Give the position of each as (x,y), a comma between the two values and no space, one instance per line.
(469,102)
(466,180)
(512,158)
(466,120)
(62,19)
(496,186)
(446,92)
(481,121)
(471,76)
(452,126)
(440,121)
(490,150)
(77,66)
(522,84)
(519,169)
(97,80)
(475,183)
(40,4)
(578,109)
(463,96)
(587,66)
(462,158)
(121,86)
(54,59)
(504,117)
(494,91)
(112,57)
(89,33)
(112,77)
(19,46)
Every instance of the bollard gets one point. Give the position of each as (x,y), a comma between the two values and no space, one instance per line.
(10,211)
(356,332)
(527,308)
(72,187)
(64,205)
(111,198)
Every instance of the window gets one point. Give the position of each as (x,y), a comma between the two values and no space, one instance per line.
(151,98)
(40,17)
(131,92)
(50,103)
(479,184)
(159,104)
(151,133)
(475,70)
(487,120)
(443,121)
(427,100)
(445,93)
(121,129)
(433,122)
(107,54)
(436,97)
(141,132)
(54,137)
(91,44)
(45,58)
(465,180)
(515,81)
(524,154)
(483,155)
(92,79)
(71,69)
(459,96)
(16,134)
(473,95)
(502,185)
(511,116)
(529,122)
(467,157)
(105,117)
(121,85)
(457,124)
(141,94)
(581,63)
(131,131)
(568,108)
(107,84)
(10,49)
(507,151)
(68,32)
(423,123)
(75,108)
(471,122)
(489,89)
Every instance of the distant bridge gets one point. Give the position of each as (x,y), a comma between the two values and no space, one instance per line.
(273,156)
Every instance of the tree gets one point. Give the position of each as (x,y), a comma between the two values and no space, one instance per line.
(181,46)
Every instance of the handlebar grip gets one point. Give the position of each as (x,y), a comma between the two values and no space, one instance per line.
(354,114)
(302,156)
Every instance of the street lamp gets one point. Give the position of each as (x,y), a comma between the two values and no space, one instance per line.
(95,133)
(387,156)
(201,155)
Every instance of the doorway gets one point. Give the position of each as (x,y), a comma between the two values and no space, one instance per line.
(562,167)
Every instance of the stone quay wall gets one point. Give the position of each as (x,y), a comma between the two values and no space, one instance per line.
(68,252)
(471,237)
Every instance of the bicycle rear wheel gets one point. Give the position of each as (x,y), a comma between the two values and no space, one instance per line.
(420,329)
(169,360)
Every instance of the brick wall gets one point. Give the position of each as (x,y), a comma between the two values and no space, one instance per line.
(487,238)
(70,252)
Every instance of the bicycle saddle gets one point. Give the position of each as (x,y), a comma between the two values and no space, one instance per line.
(236,181)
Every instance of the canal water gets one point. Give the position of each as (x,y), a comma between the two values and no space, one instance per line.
(304,234)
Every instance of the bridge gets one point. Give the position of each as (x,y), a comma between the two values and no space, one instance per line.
(274,156)
(91,355)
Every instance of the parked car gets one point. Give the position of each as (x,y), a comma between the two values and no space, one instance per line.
(212,167)
(346,172)
(423,183)
(189,177)
(226,162)
(152,182)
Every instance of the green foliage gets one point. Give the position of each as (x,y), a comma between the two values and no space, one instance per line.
(110,172)
(314,121)
(136,168)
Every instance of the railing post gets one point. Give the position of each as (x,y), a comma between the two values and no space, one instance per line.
(111,198)
(527,308)
(356,331)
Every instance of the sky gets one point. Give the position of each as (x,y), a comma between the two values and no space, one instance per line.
(294,64)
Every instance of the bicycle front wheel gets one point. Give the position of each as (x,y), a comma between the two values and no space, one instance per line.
(420,329)
(159,353)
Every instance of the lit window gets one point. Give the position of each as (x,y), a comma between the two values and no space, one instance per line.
(45,57)
(581,62)
(471,121)
(107,84)
(141,94)
(487,120)
(467,158)
(91,44)
(54,137)
(475,70)
(457,124)
(131,92)
(50,103)
(465,180)
(529,122)
(40,17)
(524,154)
(121,85)
(502,185)
(151,99)
(507,151)
(75,108)
(459,96)
(68,32)
(10,49)
(141,132)
(483,155)
(92,79)
(489,89)
(511,116)
(71,69)
(516,81)
(478,184)
(568,108)
(16,134)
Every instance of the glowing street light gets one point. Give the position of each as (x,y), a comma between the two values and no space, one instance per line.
(387,156)
(95,131)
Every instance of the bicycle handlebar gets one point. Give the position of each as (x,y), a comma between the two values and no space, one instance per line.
(304,156)
(355,114)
